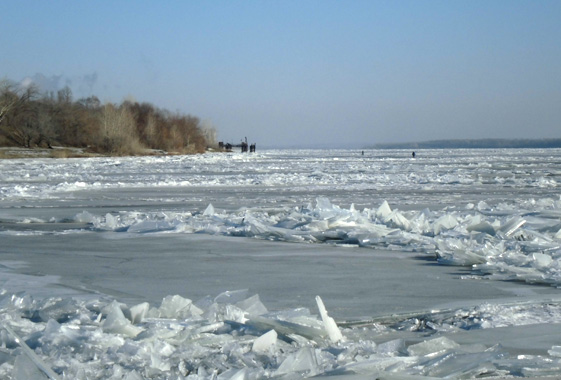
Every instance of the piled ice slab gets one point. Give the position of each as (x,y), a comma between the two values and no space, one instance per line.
(509,241)
(233,336)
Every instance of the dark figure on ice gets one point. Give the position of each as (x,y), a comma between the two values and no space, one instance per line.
(244,146)
(413,154)
(252,148)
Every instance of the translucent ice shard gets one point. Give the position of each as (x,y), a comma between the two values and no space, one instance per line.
(555,351)
(431,346)
(111,222)
(541,260)
(329,323)
(85,217)
(456,252)
(445,222)
(323,204)
(265,342)
(138,312)
(483,226)
(304,360)
(252,305)
(287,328)
(150,226)
(393,347)
(383,211)
(397,219)
(509,227)
(178,307)
(132,376)
(116,323)
(22,369)
(209,211)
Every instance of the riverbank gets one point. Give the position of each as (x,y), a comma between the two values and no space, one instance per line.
(67,152)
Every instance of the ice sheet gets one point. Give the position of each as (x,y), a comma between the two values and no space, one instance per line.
(496,214)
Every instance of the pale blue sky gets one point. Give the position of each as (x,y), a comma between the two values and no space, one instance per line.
(305,73)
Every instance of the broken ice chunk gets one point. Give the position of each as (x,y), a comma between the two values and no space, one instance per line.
(445,222)
(286,328)
(431,346)
(209,211)
(555,351)
(84,217)
(512,225)
(329,323)
(24,369)
(460,257)
(111,222)
(482,205)
(252,306)
(116,322)
(485,227)
(304,360)
(383,211)
(178,307)
(265,342)
(393,347)
(396,219)
(541,261)
(323,204)
(138,312)
(132,376)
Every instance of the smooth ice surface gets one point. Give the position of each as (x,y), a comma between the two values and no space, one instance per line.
(284,264)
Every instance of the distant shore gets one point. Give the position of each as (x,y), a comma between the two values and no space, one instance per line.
(69,152)
(474,144)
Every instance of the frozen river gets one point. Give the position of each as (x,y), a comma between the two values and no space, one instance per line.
(208,266)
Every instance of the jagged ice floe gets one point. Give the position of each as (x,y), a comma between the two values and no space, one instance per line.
(234,336)
(508,242)
(496,213)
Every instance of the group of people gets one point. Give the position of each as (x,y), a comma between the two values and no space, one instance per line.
(228,147)
(244,147)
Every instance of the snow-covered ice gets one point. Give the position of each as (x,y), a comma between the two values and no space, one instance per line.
(446,265)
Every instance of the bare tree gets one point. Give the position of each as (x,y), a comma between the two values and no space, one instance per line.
(46,128)
(17,114)
(28,121)
(118,131)
(91,102)
(64,95)
(11,97)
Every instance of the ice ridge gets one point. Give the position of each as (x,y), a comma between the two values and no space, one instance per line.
(234,336)
(508,242)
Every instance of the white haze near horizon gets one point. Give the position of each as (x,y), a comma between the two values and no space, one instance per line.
(129,268)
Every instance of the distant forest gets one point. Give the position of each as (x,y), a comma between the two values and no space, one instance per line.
(29,119)
(474,144)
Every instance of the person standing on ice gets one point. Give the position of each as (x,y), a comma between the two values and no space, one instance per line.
(413,154)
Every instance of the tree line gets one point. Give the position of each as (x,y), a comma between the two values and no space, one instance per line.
(30,119)
(475,144)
